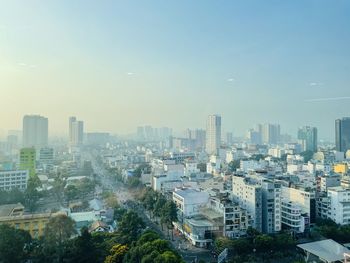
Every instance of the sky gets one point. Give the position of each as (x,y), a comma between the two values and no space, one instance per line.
(120,64)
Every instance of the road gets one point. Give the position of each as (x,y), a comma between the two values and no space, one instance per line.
(187,251)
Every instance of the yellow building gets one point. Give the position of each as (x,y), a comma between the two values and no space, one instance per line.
(341,168)
(27,158)
(13,214)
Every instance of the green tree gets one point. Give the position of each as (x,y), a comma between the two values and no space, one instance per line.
(242,246)
(167,257)
(283,241)
(85,187)
(149,258)
(159,204)
(103,243)
(151,251)
(13,244)
(130,227)
(148,199)
(71,192)
(119,212)
(142,168)
(31,194)
(112,201)
(11,197)
(82,248)
(252,232)
(117,254)
(133,182)
(221,243)
(264,242)
(58,188)
(147,236)
(57,232)
(169,215)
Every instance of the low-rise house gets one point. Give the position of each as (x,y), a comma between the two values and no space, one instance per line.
(99,226)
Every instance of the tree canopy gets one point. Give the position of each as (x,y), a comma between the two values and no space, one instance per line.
(14,244)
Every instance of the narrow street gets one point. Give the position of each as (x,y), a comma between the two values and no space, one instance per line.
(187,251)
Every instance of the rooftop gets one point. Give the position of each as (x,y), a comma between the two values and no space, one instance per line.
(7,210)
(200,221)
(189,192)
(338,189)
(327,250)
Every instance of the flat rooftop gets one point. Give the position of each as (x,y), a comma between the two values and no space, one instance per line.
(327,250)
(6,210)
(189,192)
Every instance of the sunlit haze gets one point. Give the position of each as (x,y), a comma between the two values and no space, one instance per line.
(120,64)
(184,131)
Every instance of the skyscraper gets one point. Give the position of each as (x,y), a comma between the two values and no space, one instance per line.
(270,133)
(342,134)
(35,131)
(71,121)
(307,137)
(213,134)
(76,132)
(200,136)
(229,138)
(254,136)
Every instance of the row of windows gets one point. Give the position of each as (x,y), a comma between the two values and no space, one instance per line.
(11,187)
(13,178)
(13,175)
(14,184)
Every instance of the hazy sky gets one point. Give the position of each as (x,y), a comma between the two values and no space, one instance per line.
(119,64)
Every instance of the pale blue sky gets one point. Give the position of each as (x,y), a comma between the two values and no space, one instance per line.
(119,64)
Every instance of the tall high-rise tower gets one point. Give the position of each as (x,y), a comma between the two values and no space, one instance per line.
(76,131)
(71,121)
(270,133)
(35,131)
(308,138)
(213,134)
(342,134)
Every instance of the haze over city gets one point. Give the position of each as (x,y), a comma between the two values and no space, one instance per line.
(121,64)
(158,131)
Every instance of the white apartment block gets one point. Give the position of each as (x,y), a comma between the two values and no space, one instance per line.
(214,165)
(166,175)
(10,180)
(188,201)
(304,198)
(339,204)
(292,217)
(190,168)
(235,218)
(271,206)
(252,165)
(324,182)
(249,196)
(295,199)
(299,167)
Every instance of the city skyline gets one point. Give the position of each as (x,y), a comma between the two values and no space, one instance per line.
(177,132)
(174,131)
(139,63)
